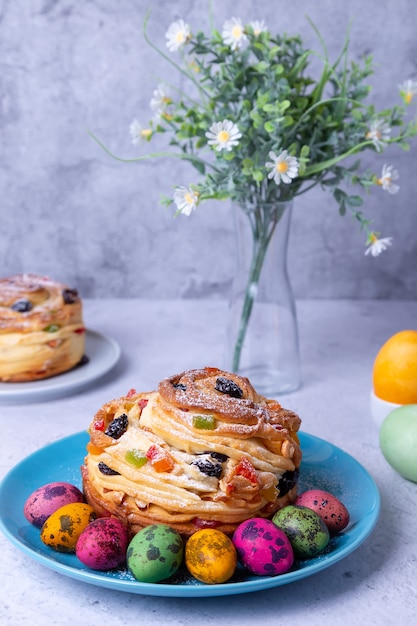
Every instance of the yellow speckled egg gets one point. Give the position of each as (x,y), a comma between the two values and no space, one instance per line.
(62,529)
(210,556)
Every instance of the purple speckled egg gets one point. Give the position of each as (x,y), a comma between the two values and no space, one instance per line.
(263,548)
(102,545)
(49,498)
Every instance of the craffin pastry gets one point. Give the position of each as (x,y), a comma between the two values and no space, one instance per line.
(203,451)
(41,328)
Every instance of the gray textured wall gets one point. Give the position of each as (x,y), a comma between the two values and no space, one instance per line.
(70,211)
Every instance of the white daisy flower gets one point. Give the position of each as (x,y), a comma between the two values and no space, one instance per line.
(283,167)
(233,33)
(388,175)
(177,35)
(160,101)
(223,135)
(186,199)
(379,133)
(138,132)
(258,26)
(376,246)
(408,89)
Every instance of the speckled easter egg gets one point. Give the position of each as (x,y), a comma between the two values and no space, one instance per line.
(102,544)
(62,529)
(398,440)
(331,510)
(155,553)
(49,498)
(307,532)
(210,556)
(263,548)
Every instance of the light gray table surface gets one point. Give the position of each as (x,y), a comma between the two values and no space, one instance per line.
(339,340)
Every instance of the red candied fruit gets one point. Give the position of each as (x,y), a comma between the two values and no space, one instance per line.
(205,523)
(246,469)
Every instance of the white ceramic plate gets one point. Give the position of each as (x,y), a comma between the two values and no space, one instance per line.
(102,352)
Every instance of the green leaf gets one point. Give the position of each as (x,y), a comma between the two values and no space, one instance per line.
(262,67)
(269,127)
(269,108)
(404,146)
(258,175)
(301,168)
(354,201)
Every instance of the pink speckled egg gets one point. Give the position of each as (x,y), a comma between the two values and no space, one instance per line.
(49,498)
(331,510)
(263,548)
(102,545)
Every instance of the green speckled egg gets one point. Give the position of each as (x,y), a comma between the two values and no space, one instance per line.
(155,553)
(307,532)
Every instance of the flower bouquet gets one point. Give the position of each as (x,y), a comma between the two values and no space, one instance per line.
(261,130)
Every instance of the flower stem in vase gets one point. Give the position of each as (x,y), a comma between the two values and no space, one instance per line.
(262,335)
(259,251)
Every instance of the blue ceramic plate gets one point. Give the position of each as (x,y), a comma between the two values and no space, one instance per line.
(324,467)
(102,352)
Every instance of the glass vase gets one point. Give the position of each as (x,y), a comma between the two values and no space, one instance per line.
(262,333)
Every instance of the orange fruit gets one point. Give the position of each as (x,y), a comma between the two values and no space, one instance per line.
(395,369)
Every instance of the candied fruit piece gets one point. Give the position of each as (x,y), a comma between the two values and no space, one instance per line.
(204,422)
(51,328)
(160,460)
(245,468)
(98,425)
(136,457)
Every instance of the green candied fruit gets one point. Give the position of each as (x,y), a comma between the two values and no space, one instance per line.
(52,328)
(136,457)
(204,422)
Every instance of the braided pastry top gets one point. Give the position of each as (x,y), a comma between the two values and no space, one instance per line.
(30,303)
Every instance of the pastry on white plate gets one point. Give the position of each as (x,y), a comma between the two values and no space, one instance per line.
(41,328)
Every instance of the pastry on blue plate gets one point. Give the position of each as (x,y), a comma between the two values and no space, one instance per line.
(203,451)
(41,328)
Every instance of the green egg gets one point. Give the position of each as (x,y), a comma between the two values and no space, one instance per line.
(155,553)
(306,531)
(398,440)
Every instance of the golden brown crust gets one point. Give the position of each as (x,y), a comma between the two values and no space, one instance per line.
(231,454)
(41,328)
